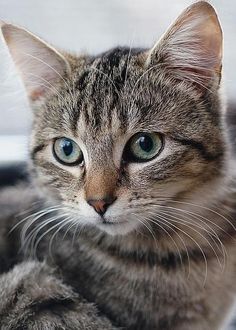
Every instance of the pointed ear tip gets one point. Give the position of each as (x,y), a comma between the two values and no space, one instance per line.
(209,10)
(5,28)
(206,9)
(2,24)
(203,6)
(10,30)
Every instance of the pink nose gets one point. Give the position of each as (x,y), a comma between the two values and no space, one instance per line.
(101,205)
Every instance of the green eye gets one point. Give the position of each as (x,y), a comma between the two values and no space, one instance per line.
(143,147)
(67,152)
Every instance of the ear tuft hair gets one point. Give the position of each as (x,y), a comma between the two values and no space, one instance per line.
(40,65)
(191,49)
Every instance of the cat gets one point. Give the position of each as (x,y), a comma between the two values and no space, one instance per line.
(128,219)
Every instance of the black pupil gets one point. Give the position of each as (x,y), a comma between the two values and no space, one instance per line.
(146,143)
(67,147)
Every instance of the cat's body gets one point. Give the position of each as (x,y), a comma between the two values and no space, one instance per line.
(134,287)
(132,201)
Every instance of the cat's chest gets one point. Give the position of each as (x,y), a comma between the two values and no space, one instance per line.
(127,291)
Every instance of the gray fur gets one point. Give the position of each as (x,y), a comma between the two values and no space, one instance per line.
(171,264)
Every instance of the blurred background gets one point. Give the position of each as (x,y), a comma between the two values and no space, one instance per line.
(90,26)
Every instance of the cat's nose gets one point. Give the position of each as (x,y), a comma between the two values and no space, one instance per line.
(101,205)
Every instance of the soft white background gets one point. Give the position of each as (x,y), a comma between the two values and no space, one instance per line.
(92,26)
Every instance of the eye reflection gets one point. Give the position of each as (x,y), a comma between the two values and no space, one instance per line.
(143,147)
(67,152)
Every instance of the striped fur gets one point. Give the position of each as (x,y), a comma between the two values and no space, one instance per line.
(163,256)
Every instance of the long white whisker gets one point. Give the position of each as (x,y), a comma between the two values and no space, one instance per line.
(188,225)
(33,234)
(142,221)
(197,244)
(35,245)
(155,221)
(31,215)
(74,223)
(29,223)
(208,209)
(79,232)
(214,236)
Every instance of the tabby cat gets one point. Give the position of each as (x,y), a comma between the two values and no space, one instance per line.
(128,221)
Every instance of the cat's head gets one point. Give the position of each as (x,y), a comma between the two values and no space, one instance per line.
(117,136)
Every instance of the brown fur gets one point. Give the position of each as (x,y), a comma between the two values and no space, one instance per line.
(163,254)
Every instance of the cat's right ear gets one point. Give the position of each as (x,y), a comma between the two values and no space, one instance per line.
(191,49)
(40,65)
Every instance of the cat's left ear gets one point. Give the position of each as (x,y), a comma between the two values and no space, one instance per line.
(191,49)
(40,65)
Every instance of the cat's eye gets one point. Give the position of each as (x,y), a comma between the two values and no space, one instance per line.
(67,152)
(143,147)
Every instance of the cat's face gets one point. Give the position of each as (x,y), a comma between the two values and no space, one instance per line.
(118,136)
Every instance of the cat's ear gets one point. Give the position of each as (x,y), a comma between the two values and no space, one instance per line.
(40,65)
(191,49)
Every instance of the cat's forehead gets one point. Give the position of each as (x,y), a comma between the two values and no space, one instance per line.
(105,90)
(113,95)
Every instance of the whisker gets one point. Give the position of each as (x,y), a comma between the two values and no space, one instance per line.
(213,234)
(48,209)
(187,224)
(35,244)
(35,217)
(181,239)
(79,232)
(29,240)
(74,223)
(148,228)
(208,209)
(63,224)
(197,244)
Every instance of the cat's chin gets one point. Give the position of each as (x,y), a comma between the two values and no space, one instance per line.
(117,228)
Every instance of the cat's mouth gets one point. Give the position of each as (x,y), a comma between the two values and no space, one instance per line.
(108,222)
(116,226)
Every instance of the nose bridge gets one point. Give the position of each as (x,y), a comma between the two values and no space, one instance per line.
(101,182)
(101,173)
